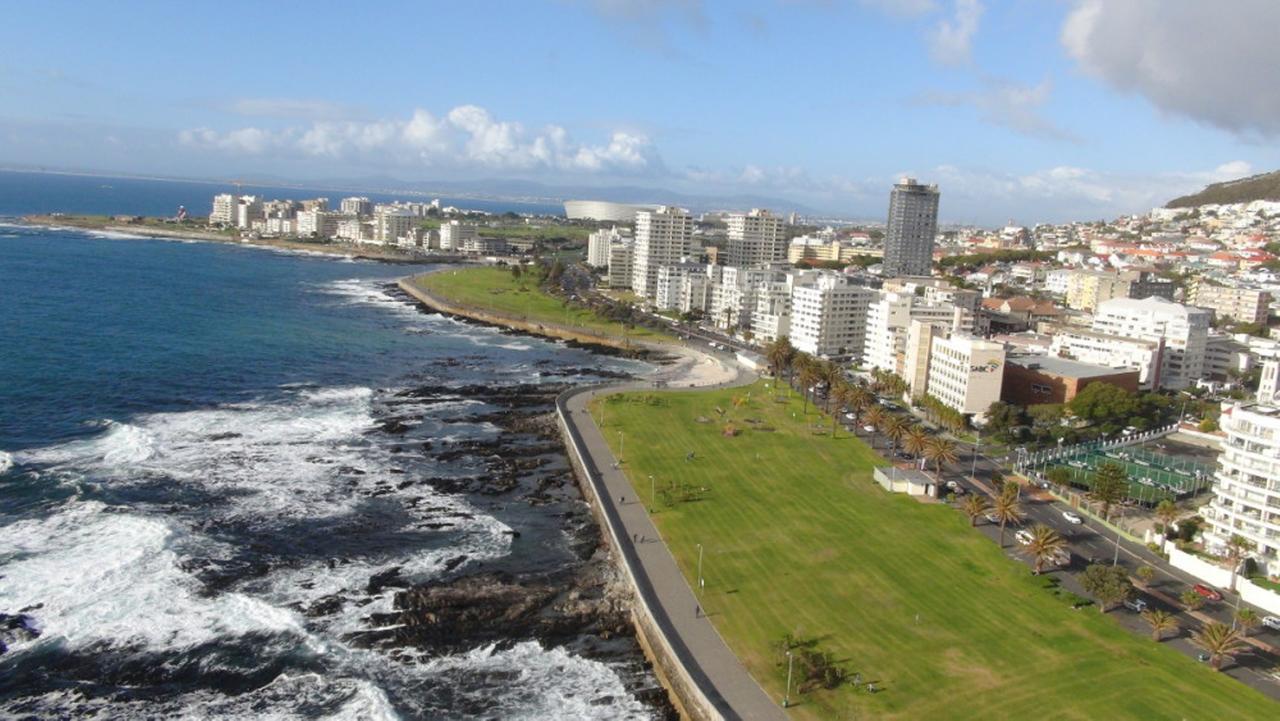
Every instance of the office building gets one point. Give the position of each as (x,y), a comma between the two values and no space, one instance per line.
(663,237)
(913,223)
(755,238)
(1032,378)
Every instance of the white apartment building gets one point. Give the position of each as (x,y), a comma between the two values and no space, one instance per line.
(390,223)
(828,314)
(889,318)
(318,223)
(1246,305)
(1183,329)
(454,235)
(733,293)
(356,206)
(915,366)
(1246,486)
(598,244)
(248,209)
(1088,346)
(771,318)
(695,293)
(1055,281)
(966,373)
(224,209)
(672,281)
(755,238)
(663,237)
(620,265)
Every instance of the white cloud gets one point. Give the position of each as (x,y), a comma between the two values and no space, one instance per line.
(1208,61)
(1233,170)
(1011,105)
(951,40)
(467,136)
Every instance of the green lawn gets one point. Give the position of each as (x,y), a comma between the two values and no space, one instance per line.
(495,289)
(798,538)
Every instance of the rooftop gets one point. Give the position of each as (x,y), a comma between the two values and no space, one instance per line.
(1064,367)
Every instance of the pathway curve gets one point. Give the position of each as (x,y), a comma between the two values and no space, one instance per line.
(718,673)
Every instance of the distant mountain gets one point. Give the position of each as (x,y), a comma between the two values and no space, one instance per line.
(1244,190)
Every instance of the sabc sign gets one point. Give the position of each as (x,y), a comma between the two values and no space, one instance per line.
(990,366)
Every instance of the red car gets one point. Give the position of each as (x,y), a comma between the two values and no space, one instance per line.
(1207,592)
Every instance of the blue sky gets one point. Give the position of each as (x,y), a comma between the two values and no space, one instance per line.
(1028,110)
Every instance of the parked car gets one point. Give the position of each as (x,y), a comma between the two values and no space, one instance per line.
(869,428)
(1207,592)
(991,518)
(1023,536)
(1272,622)
(1072,518)
(1137,605)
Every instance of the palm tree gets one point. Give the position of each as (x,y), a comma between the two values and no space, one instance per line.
(974,507)
(1167,513)
(1247,620)
(1192,600)
(1218,640)
(832,375)
(1237,548)
(808,376)
(1159,621)
(896,428)
(1044,546)
(799,361)
(1006,510)
(940,451)
(779,354)
(876,416)
(915,440)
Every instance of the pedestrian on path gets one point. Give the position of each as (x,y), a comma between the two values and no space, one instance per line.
(697,611)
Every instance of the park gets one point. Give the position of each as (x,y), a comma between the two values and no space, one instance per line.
(797,548)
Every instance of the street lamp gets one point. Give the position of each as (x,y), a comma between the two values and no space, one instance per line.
(786,699)
(653,500)
(622,444)
(700,583)
(973,472)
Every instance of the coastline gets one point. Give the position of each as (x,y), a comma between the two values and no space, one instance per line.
(702,677)
(341,250)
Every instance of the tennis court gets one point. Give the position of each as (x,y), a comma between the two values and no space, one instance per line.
(1157,469)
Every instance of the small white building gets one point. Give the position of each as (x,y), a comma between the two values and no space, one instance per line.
(455,234)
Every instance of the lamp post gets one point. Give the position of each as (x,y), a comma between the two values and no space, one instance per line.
(622,444)
(973,472)
(786,698)
(653,501)
(700,584)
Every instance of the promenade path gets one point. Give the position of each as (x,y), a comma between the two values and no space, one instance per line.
(713,667)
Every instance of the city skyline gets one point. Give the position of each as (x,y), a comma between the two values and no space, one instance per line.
(1023,111)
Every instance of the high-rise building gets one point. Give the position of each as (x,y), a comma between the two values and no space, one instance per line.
(755,238)
(889,318)
(356,206)
(455,235)
(224,209)
(389,224)
(1246,486)
(913,223)
(829,314)
(248,209)
(598,244)
(621,262)
(663,237)
(1184,331)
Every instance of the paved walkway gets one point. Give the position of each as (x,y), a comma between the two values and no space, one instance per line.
(709,662)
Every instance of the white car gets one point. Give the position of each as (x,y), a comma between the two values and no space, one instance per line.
(1272,622)
(869,428)
(1023,536)
(1072,518)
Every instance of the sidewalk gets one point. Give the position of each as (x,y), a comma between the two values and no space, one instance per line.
(701,650)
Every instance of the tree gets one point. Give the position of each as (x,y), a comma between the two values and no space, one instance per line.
(896,428)
(940,451)
(1059,476)
(1101,403)
(1167,513)
(516,271)
(1146,574)
(1218,640)
(1110,584)
(832,375)
(809,375)
(876,416)
(1160,622)
(1007,510)
(1237,548)
(1192,600)
(1003,417)
(779,354)
(1110,484)
(1247,620)
(915,440)
(974,507)
(1045,545)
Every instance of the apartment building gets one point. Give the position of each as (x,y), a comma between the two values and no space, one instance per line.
(248,209)
(598,245)
(1244,305)
(1088,289)
(1103,349)
(1184,330)
(620,262)
(664,236)
(829,314)
(454,235)
(358,206)
(318,223)
(889,317)
(389,224)
(755,238)
(912,225)
(1246,485)
(771,318)
(224,209)
(672,282)
(733,293)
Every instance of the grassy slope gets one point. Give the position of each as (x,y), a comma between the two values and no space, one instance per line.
(799,538)
(497,290)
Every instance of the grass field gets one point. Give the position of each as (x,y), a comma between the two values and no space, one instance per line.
(799,539)
(496,290)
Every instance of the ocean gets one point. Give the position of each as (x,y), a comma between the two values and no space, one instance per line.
(239,482)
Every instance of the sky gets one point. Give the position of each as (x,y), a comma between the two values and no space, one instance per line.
(1020,110)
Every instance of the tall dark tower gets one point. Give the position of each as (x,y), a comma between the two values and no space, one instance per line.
(913,222)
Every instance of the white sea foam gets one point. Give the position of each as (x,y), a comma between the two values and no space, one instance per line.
(6,462)
(114,577)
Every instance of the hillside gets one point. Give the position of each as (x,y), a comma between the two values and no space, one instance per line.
(1244,190)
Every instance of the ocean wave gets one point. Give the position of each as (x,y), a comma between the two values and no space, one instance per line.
(6,462)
